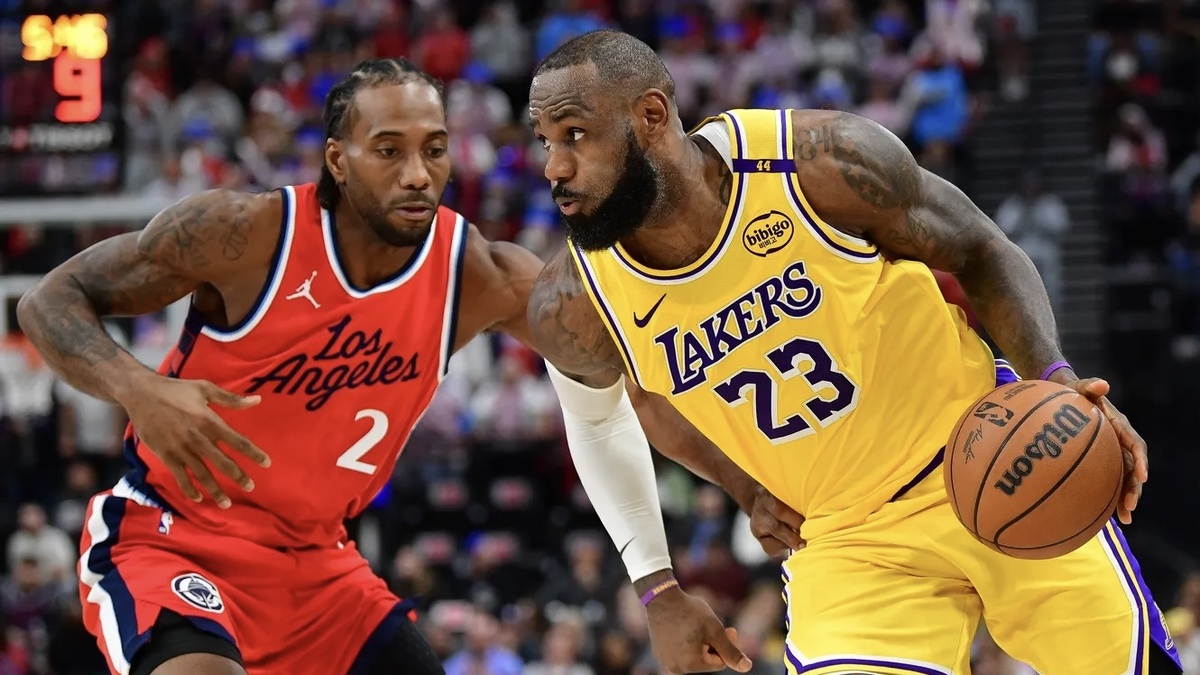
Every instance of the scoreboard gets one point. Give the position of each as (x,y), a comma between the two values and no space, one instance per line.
(60,109)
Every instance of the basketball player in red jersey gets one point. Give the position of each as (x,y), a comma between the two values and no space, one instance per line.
(322,320)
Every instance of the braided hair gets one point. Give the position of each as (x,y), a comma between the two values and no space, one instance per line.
(339,110)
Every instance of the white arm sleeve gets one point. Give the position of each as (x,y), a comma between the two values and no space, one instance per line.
(612,457)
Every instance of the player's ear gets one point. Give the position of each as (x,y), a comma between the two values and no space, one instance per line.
(654,112)
(335,158)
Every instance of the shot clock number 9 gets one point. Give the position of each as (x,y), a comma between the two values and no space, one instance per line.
(76,43)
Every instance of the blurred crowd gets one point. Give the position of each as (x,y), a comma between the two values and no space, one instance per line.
(484,520)
(1144,66)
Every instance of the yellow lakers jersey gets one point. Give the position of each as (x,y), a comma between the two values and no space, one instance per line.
(829,374)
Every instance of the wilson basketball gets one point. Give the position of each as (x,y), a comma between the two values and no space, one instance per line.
(1034,469)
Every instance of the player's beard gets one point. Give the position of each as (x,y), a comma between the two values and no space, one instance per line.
(375,215)
(624,210)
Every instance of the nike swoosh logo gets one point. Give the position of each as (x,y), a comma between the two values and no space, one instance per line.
(622,549)
(641,323)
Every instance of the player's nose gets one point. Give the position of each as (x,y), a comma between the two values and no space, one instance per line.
(414,175)
(560,168)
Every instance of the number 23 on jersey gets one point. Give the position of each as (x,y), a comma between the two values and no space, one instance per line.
(836,395)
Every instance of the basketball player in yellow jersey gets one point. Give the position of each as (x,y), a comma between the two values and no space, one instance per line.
(768,275)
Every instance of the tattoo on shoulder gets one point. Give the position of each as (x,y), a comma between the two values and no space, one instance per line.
(813,141)
(883,193)
(565,324)
(202,230)
(875,165)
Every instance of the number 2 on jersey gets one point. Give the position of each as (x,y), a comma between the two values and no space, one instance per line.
(352,458)
(788,361)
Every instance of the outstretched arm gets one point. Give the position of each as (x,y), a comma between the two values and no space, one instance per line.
(859,177)
(199,240)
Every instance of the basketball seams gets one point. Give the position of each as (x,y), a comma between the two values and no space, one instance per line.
(1104,515)
(1062,479)
(983,484)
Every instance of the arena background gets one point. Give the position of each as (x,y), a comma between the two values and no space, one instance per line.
(111,109)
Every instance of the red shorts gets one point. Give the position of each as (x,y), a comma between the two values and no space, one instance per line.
(296,612)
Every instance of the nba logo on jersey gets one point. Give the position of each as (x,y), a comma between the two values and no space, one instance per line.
(198,592)
(164,523)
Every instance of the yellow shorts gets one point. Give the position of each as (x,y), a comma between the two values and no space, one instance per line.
(903,593)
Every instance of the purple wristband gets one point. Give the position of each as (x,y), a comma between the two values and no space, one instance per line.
(1057,365)
(658,590)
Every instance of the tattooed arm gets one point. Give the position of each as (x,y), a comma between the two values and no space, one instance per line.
(567,330)
(860,177)
(863,180)
(613,460)
(202,243)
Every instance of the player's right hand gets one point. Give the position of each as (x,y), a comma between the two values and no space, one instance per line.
(174,421)
(687,637)
(775,524)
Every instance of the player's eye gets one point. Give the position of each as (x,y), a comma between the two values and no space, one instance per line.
(436,152)
(386,152)
(545,143)
(576,134)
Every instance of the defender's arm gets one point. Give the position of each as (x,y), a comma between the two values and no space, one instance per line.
(860,177)
(201,239)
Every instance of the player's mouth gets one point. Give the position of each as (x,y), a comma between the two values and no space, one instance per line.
(415,210)
(568,207)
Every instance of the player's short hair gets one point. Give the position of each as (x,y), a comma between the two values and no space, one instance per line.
(338,115)
(626,65)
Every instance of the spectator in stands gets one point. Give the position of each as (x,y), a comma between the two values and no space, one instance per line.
(443,49)
(840,45)
(1183,256)
(883,107)
(172,184)
(1037,221)
(890,62)
(941,109)
(566,19)
(953,33)
(209,103)
(1137,160)
(561,651)
(1016,24)
(693,69)
(503,45)
(80,485)
(517,407)
(48,549)
(1185,175)
(483,652)
(89,428)
(13,658)
(1186,620)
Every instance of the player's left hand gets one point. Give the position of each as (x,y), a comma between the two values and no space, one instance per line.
(1137,462)
(687,637)
(775,524)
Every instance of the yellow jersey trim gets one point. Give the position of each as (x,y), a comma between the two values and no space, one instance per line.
(733,214)
(845,245)
(605,311)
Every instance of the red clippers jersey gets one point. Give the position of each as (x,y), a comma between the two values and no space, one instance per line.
(344,374)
